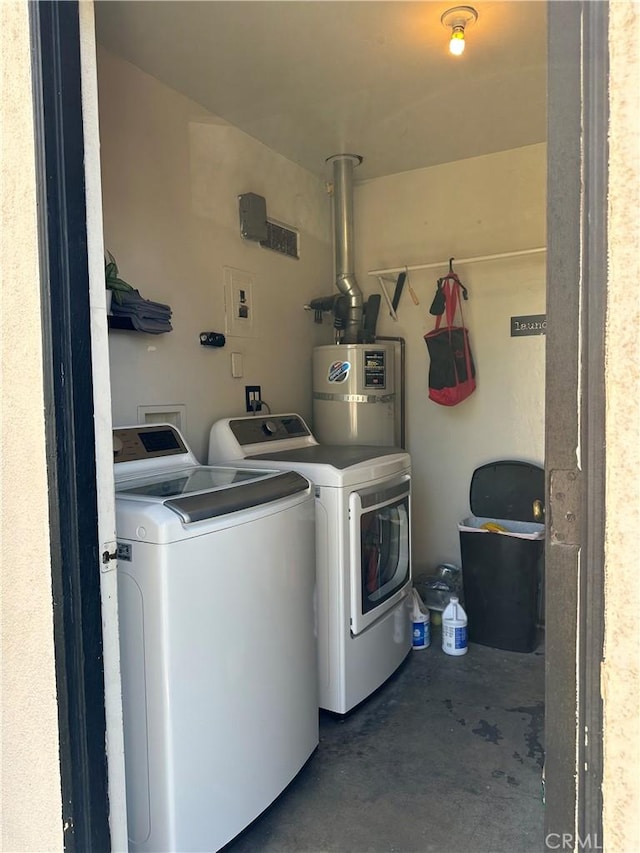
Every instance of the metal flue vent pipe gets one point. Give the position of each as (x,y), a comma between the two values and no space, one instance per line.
(346,283)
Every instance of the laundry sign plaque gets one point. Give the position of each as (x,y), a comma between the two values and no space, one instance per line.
(530,324)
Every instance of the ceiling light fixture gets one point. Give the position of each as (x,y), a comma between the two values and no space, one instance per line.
(457,19)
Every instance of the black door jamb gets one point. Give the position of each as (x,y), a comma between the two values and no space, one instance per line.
(68,390)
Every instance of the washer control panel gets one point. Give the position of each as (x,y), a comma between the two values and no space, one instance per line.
(146,442)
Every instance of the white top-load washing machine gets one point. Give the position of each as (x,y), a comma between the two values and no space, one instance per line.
(216,585)
(363,565)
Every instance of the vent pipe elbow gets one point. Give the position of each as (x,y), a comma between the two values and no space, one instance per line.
(343,165)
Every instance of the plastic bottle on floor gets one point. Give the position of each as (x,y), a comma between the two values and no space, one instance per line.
(454,628)
(420,622)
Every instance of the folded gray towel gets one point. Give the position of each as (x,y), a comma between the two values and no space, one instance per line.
(133,305)
(151,327)
(142,311)
(133,297)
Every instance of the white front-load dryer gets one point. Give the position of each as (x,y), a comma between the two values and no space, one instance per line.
(216,584)
(363,539)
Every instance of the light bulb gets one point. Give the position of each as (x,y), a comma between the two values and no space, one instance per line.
(456,45)
(457,20)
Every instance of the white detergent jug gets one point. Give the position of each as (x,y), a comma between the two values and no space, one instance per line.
(421,622)
(454,628)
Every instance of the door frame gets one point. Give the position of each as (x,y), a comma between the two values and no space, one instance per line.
(69,424)
(575,458)
(578,124)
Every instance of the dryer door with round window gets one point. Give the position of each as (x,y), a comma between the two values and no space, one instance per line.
(379,531)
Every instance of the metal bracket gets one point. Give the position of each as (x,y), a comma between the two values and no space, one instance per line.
(564,507)
(392,310)
(109,556)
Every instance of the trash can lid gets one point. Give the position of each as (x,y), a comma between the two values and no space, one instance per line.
(507,489)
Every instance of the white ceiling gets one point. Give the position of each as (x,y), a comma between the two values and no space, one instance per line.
(312,78)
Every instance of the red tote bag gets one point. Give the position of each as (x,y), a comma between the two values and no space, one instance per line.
(452,373)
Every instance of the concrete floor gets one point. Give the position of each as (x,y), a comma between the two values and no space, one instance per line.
(445,757)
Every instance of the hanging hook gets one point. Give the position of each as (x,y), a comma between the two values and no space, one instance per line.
(465,293)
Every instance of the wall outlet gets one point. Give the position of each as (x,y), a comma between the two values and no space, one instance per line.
(252,396)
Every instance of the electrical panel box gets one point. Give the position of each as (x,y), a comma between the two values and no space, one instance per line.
(253,217)
(239,307)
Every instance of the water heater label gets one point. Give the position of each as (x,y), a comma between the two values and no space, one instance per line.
(374,369)
(339,371)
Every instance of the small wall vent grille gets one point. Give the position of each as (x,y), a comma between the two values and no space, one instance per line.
(281,238)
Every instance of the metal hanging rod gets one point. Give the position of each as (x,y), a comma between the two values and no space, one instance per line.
(477,259)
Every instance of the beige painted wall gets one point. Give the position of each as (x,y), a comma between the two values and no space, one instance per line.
(621,668)
(31,800)
(171,174)
(470,208)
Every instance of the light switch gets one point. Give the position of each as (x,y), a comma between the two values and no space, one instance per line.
(236,365)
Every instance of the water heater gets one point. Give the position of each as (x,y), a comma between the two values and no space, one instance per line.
(354,398)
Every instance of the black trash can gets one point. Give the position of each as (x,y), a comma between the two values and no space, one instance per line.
(502,571)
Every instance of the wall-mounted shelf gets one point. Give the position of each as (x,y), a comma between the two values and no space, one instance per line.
(430,266)
(385,275)
(123,323)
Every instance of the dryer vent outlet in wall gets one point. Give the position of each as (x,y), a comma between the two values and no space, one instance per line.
(283,239)
(254,225)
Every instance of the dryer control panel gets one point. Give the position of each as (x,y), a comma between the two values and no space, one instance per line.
(273,428)
(238,438)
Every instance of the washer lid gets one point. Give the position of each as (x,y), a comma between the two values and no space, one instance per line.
(196,494)
(255,493)
(186,480)
(507,489)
